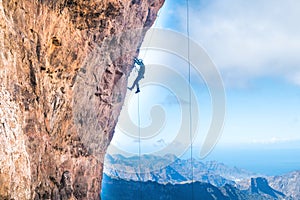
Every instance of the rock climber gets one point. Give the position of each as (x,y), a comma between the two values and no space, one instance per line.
(141,73)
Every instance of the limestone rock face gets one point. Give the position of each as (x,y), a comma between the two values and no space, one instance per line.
(64,66)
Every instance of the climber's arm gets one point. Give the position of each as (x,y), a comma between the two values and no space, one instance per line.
(137,61)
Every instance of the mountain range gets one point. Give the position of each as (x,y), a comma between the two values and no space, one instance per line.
(120,189)
(170,169)
(166,175)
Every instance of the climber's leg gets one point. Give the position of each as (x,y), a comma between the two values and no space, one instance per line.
(137,87)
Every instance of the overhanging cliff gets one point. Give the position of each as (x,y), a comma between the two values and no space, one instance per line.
(64,66)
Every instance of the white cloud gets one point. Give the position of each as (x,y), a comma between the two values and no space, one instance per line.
(274,140)
(249,39)
(296,78)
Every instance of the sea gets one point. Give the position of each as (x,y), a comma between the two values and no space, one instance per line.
(264,161)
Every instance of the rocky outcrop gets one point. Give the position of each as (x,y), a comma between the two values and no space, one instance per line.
(63,70)
(261,186)
(288,183)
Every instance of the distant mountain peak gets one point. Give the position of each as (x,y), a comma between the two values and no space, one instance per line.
(171,169)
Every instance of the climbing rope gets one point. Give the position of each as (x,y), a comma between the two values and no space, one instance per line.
(139,151)
(139,120)
(190,94)
(190,105)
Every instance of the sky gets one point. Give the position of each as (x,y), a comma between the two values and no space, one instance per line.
(255,47)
